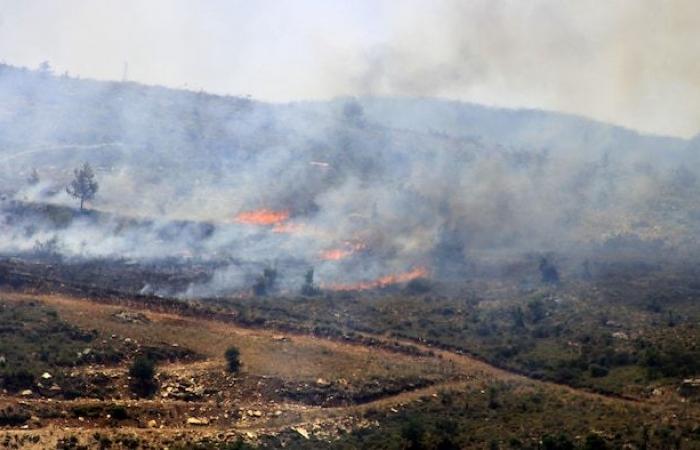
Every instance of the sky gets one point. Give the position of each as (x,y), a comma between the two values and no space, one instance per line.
(634,63)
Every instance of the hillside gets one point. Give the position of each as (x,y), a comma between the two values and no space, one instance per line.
(356,273)
(404,185)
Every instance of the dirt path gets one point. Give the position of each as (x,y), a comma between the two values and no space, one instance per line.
(472,367)
(473,373)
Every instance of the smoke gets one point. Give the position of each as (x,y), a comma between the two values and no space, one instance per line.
(627,62)
(622,61)
(362,190)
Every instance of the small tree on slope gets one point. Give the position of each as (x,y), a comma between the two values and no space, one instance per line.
(84,186)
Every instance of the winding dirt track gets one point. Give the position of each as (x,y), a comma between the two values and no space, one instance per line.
(473,374)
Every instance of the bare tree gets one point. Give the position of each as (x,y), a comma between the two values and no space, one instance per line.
(84,186)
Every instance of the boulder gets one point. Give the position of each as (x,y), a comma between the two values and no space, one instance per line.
(198,421)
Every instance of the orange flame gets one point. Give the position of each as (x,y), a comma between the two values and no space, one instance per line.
(335,254)
(384,281)
(262,217)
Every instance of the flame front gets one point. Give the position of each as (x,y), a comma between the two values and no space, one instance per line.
(265,217)
(335,254)
(384,281)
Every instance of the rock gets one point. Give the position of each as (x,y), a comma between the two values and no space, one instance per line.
(301,431)
(26,393)
(131,317)
(278,413)
(323,383)
(152,423)
(197,421)
(46,376)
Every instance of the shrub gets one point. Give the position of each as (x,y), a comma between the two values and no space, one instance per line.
(594,442)
(233,359)
(413,433)
(142,373)
(18,380)
(561,442)
(118,412)
(13,416)
(598,371)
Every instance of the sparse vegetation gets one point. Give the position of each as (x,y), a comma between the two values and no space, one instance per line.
(233,361)
(309,288)
(34,340)
(142,373)
(265,283)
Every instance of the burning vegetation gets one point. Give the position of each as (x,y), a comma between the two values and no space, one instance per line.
(381,282)
(263,217)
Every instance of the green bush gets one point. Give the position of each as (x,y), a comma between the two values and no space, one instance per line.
(233,360)
(142,373)
(598,371)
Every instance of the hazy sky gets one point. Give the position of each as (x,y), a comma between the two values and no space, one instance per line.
(632,62)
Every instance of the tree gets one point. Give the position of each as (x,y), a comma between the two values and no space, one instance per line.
(142,373)
(549,272)
(84,186)
(308,287)
(45,68)
(233,359)
(33,179)
(265,283)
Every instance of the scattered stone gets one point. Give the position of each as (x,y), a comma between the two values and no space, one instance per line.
(301,431)
(152,423)
(46,376)
(131,317)
(26,393)
(197,421)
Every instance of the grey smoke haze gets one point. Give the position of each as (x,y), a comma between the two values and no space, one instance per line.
(386,181)
(390,184)
(628,62)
